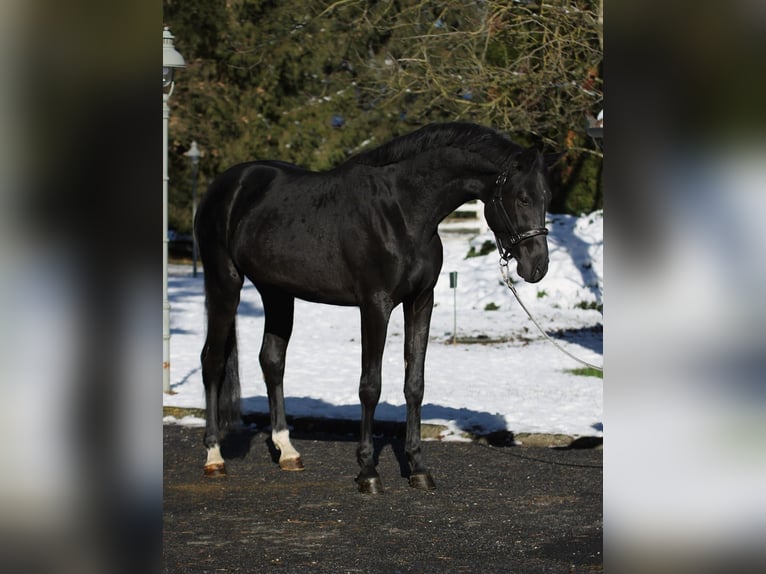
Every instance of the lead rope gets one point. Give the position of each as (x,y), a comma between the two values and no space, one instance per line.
(507,280)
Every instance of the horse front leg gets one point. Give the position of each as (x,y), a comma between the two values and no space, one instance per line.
(278,309)
(374,326)
(417,323)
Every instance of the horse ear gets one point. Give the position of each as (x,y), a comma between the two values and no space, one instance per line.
(527,159)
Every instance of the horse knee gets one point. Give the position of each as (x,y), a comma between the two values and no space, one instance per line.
(369,392)
(272,363)
(413,393)
(266,361)
(272,355)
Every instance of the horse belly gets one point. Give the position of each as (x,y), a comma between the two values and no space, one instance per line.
(305,266)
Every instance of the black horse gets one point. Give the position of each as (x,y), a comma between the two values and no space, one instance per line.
(363,234)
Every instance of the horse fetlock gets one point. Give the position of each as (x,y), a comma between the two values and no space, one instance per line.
(215,470)
(214,465)
(369,484)
(291,464)
(289,458)
(422,480)
(214,455)
(365,457)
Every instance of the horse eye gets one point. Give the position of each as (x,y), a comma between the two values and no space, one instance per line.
(524,202)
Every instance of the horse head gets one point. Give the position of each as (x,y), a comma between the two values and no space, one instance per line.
(516,213)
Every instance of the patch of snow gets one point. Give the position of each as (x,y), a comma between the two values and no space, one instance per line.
(520,383)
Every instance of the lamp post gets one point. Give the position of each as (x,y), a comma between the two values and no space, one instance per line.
(194,154)
(171,60)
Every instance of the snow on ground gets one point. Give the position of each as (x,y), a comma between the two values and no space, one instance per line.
(519,382)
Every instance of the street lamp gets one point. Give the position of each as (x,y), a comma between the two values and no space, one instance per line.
(171,60)
(193,154)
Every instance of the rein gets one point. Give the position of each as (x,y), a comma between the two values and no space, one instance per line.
(509,283)
(505,256)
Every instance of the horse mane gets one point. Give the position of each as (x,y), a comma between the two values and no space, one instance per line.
(490,143)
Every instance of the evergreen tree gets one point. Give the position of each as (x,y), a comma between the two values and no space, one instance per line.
(312,82)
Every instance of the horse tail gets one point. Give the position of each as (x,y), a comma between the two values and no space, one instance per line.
(229,413)
(223,282)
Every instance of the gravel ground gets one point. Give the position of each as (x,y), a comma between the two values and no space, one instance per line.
(495,509)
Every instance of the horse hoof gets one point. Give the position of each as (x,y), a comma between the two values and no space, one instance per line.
(423,481)
(291,464)
(215,469)
(372,485)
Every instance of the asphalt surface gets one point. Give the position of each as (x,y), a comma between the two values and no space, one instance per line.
(495,509)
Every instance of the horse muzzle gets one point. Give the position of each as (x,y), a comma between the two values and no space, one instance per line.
(536,273)
(532,268)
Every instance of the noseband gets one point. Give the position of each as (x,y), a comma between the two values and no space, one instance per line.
(499,207)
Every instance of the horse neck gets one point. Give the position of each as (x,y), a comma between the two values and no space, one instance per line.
(441,181)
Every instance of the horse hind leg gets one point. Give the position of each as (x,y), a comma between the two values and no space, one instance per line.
(278,308)
(219,373)
(220,368)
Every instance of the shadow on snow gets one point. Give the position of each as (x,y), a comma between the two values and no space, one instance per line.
(563,234)
(591,338)
(384,413)
(316,419)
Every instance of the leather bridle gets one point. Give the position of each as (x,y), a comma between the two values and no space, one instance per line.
(514,236)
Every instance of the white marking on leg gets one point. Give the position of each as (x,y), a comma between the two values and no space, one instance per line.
(281,440)
(214,456)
